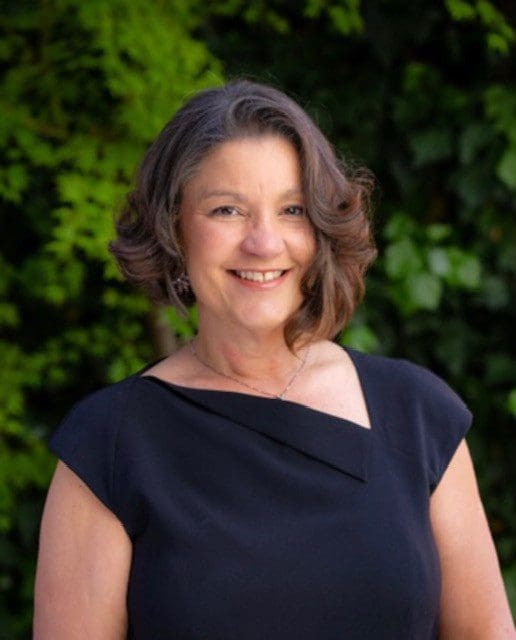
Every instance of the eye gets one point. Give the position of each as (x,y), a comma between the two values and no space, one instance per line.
(295,210)
(225,212)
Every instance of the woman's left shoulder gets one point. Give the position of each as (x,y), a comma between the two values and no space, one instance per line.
(420,412)
(405,379)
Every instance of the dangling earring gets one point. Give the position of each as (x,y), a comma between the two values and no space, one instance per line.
(181,284)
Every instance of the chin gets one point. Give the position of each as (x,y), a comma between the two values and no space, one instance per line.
(263,322)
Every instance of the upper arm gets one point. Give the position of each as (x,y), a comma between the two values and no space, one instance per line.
(473,600)
(83,565)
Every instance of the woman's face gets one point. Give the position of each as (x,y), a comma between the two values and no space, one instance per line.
(247,238)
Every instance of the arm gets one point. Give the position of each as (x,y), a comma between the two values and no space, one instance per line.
(83,565)
(474,605)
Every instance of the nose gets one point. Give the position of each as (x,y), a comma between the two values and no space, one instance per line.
(263,238)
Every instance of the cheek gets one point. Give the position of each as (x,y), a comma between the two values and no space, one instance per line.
(195,235)
(207,244)
(307,246)
(198,241)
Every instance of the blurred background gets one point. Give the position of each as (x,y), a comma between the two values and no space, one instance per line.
(422,92)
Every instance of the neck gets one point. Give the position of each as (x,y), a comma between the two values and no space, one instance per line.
(251,357)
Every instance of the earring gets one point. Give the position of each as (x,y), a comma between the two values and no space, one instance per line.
(181,284)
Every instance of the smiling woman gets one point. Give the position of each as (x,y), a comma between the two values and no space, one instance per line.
(262,481)
(249,237)
(334,199)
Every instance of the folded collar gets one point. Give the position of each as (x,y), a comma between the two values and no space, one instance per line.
(335,441)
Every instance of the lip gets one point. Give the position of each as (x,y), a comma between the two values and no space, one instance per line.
(259,286)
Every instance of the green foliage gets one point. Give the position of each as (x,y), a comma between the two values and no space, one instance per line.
(86,86)
(500,106)
(423,93)
(511,402)
(344,16)
(419,265)
(510,583)
(499,34)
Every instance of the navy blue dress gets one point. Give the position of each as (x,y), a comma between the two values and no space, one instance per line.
(254,518)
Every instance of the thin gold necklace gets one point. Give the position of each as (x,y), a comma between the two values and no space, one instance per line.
(279,396)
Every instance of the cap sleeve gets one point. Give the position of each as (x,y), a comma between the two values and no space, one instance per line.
(86,441)
(444,420)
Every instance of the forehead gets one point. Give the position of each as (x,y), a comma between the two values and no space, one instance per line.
(269,159)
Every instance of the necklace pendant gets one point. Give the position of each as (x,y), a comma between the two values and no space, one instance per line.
(279,396)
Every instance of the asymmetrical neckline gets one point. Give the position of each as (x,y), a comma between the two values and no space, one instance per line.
(338,441)
(353,354)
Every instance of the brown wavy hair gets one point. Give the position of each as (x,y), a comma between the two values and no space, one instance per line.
(148,246)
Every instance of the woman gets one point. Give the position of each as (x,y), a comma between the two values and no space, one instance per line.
(262,482)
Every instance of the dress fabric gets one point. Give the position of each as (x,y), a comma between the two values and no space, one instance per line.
(256,518)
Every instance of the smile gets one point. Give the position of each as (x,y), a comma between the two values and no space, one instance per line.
(259,277)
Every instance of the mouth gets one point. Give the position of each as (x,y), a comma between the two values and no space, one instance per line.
(259,277)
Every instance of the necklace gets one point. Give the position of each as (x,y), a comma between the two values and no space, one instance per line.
(279,396)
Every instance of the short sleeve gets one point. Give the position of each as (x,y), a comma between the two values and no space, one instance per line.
(444,420)
(86,441)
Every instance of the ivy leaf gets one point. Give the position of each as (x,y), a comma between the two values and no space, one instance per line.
(360,336)
(460,10)
(439,262)
(424,290)
(511,402)
(506,169)
(401,258)
(399,225)
(466,269)
(347,19)
(438,232)
(431,146)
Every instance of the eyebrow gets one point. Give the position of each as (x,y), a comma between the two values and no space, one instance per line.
(204,195)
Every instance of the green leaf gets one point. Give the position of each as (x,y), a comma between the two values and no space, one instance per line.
(183,327)
(399,225)
(468,271)
(465,269)
(488,13)
(401,258)
(506,169)
(314,8)
(473,139)
(424,290)
(460,10)
(361,337)
(500,106)
(9,315)
(13,181)
(497,43)
(491,17)
(511,402)
(431,146)
(509,577)
(347,19)
(439,262)
(438,232)
(495,292)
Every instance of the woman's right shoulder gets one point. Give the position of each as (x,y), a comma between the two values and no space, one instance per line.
(90,440)
(111,395)
(99,413)
(104,399)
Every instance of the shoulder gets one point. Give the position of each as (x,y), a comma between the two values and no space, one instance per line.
(94,419)
(419,412)
(409,381)
(105,400)
(92,441)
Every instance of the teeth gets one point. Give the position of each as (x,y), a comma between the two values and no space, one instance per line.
(258,276)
